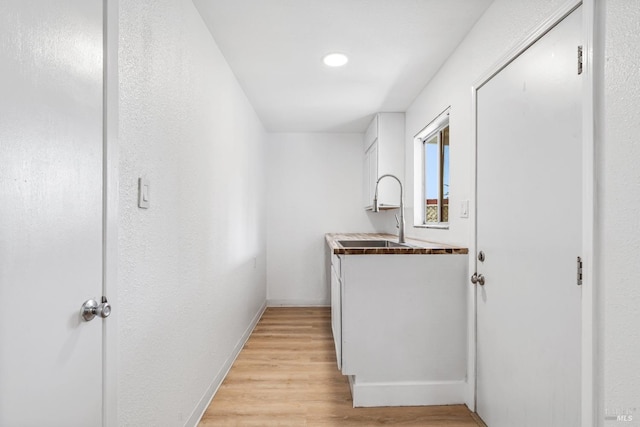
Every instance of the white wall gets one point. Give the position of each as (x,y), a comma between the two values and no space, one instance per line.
(314,187)
(503,25)
(192,267)
(298,164)
(618,207)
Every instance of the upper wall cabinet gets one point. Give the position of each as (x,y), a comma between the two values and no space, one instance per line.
(383,154)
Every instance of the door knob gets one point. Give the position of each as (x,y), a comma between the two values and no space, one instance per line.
(477,278)
(91,309)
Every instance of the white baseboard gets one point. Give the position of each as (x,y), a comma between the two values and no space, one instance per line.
(470,396)
(298,303)
(408,393)
(205,401)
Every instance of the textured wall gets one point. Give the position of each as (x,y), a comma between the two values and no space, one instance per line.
(314,187)
(503,25)
(618,177)
(192,267)
(619,206)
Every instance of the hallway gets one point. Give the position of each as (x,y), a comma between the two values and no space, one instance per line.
(286,375)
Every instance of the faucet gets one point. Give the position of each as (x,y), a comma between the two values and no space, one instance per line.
(376,208)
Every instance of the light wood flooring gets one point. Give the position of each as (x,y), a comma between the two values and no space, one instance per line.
(286,375)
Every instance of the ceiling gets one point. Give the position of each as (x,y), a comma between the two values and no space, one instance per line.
(275,49)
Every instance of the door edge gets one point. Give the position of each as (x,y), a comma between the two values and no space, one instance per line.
(110,196)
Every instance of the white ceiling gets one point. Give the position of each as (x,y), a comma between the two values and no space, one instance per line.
(275,48)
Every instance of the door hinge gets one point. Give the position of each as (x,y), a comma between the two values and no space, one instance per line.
(580,60)
(579,272)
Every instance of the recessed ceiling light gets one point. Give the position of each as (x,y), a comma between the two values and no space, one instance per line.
(335,59)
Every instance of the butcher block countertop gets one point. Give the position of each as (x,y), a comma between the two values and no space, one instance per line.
(414,246)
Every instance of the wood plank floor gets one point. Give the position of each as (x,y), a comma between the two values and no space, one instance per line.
(286,375)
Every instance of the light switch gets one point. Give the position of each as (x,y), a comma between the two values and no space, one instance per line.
(464,209)
(143,193)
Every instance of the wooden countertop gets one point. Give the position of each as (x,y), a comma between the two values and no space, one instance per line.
(417,247)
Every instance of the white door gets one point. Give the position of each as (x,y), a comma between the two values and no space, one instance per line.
(50,212)
(529,230)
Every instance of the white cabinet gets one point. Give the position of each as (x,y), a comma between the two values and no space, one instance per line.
(399,325)
(370,174)
(383,154)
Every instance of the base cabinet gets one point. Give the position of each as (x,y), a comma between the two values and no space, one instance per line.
(399,325)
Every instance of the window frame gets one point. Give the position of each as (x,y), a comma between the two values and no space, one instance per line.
(433,129)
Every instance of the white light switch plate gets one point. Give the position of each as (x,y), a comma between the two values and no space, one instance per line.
(143,193)
(464,209)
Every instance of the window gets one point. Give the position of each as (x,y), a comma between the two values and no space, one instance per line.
(436,177)
(432,174)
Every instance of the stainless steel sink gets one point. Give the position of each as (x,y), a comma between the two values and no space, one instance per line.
(371,244)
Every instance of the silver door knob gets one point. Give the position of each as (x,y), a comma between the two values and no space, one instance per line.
(477,278)
(91,308)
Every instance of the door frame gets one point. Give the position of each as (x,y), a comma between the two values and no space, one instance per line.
(589,354)
(110,197)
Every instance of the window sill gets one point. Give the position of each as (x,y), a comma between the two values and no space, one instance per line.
(444,226)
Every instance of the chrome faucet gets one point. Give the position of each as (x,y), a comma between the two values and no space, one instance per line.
(376,208)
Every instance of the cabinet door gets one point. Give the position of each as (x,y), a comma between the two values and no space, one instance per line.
(371,134)
(366,186)
(336,315)
(370,175)
(384,154)
(373,171)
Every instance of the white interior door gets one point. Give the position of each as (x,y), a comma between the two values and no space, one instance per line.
(529,229)
(50,212)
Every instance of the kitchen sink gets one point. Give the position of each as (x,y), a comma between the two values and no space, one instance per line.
(371,244)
